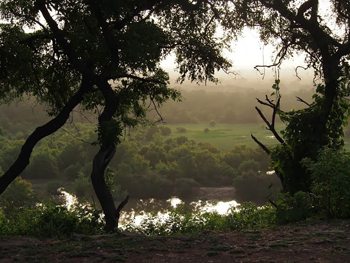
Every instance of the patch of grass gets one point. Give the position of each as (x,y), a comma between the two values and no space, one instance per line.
(226,136)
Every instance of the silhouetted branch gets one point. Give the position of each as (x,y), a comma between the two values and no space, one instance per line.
(157,111)
(275,109)
(122,204)
(271,125)
(296,71)
(265,103)
(303,101)
(262,146)
(273,203)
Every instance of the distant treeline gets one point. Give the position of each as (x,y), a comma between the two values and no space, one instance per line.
(197,106)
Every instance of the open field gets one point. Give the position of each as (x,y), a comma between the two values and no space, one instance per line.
(228,136)
(225,136)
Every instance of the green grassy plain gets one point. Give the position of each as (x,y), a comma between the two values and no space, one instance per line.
(228,136)
(225,136)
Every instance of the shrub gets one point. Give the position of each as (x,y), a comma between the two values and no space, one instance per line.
(58,221)
(256,187)
(18,194)
(293,208)
(331,182)
(181,130)
(82,186)
(165,131)
(150,133)
(42,166)
(51,187)
(184,187)
(50,220)
(2,222)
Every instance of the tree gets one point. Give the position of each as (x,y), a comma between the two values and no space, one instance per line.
(101,54)
(300,27)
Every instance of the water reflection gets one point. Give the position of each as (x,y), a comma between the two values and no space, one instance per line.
(135,218)
(69,200)
(158,211)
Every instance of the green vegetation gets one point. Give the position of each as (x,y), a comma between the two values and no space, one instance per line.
(247,217)
(50,220)
(224,136)
(101,55)
(105,57)
(150,163)
(330,182)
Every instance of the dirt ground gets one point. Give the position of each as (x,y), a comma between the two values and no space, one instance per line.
(303,242)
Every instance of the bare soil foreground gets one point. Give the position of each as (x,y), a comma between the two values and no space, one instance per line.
(303,242)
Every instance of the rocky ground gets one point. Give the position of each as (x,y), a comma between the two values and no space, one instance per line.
(304,242)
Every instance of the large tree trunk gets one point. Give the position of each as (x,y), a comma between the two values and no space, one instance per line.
(103,158)
(39,133)
(111,213)
(100,163)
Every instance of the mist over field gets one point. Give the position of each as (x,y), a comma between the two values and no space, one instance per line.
(228,102)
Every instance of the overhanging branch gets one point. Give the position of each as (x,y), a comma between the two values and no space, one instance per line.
(262,146)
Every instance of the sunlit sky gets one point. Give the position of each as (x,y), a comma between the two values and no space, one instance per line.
(248,51)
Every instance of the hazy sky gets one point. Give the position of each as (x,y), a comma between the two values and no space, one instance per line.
(248,51)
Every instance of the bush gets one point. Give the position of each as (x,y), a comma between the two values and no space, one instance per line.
(51,187)
(82,187)
(184,187)
(181,130)
(251,216)
(58,221)
(256,187)
(150,133)
(50,220)
(42,166)
(165,131)
(330,175)
(2,222)
(18,194)
(293,208)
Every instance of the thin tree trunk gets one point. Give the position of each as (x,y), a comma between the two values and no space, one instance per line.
(39,133)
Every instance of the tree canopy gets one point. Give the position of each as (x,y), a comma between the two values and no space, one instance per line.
(296,27)
(101,54)
(105,55)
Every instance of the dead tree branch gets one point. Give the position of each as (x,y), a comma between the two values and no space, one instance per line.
(303,101)
(262,146)
(270,124)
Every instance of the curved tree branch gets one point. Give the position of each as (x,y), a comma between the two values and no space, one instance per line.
(41,132)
